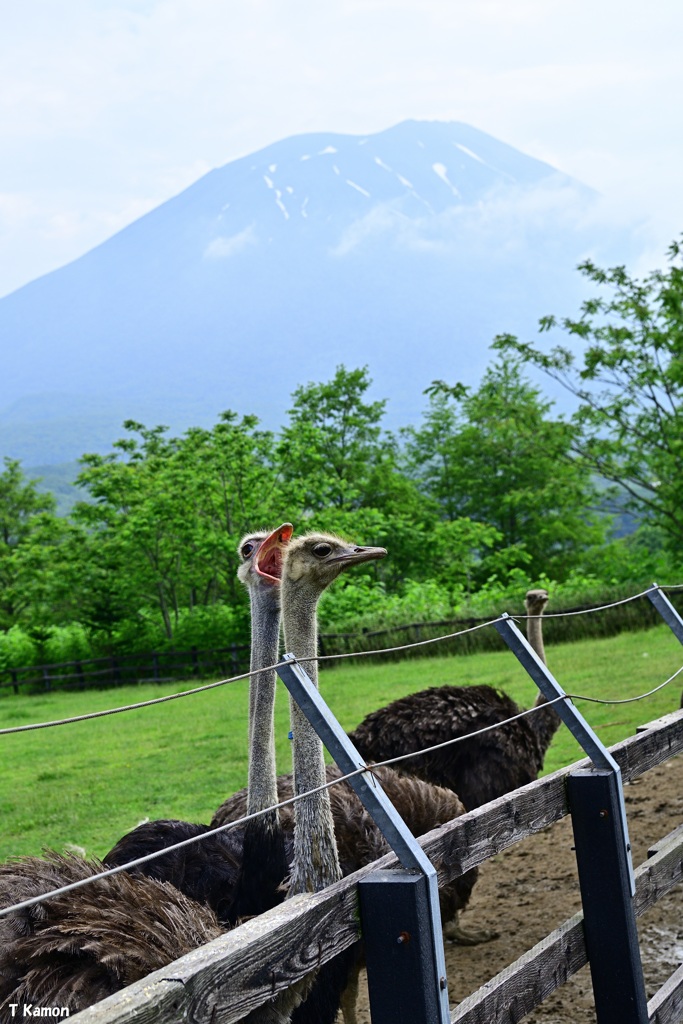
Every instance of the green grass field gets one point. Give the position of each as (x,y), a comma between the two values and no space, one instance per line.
(88,783)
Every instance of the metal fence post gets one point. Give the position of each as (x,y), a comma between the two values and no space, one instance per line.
(402,913)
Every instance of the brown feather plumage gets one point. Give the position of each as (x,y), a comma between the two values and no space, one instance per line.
(359,841)
(479,769)
(73,950)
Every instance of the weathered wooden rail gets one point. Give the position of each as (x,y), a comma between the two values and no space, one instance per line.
(221,982)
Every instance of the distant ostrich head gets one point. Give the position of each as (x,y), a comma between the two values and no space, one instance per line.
(312,562)
(535,601)
(261,555)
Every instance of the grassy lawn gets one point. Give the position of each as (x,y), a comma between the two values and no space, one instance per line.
(88,783)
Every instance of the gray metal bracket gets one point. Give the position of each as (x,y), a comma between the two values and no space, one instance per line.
(570,715)
(374,799)
(665,608)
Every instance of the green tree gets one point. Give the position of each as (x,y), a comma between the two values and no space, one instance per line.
(625,368)
(166,516)
(343,473)
(29,533)
(332,442)
(496,457)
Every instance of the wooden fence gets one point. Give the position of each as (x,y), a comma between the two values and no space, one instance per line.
(161,666)
(221,982)
(122,670)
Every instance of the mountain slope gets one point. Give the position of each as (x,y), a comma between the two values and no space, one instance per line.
(406,250)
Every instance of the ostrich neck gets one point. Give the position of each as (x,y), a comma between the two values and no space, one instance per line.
(545,722)
(265,617)
(535,636)
(316,862)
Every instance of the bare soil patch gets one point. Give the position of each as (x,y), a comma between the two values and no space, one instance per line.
(528,890)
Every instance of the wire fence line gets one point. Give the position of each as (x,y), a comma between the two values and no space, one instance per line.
(256,814)
(362,768)
(326,658)
(231,679)
(589,611)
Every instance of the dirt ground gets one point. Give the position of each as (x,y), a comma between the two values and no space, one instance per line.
(528,890)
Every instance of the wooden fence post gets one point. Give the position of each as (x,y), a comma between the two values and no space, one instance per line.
(608,912)
(394,907)
(15,680)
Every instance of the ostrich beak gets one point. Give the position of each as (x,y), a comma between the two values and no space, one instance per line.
(268,560)
(353,556)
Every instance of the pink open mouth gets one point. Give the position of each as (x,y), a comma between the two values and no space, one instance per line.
(268,560)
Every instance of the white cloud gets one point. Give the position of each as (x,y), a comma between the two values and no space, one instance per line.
(508,220)
(222,248)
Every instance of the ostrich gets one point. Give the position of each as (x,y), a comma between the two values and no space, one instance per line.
(309,566)
(73,950)
(238,873)
(480,769)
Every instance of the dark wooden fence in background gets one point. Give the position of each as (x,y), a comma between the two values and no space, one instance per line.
(162,666)
(124,669)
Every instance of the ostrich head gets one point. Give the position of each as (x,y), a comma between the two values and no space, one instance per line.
(261,556)
(312,562)
(535,601)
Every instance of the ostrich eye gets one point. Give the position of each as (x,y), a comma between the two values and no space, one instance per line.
(322,550)
(247,549)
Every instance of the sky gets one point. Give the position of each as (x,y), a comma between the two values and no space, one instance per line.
(110,107)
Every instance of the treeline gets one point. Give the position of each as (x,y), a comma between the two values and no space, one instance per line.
(488,494)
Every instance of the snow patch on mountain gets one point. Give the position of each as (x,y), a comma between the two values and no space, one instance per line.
(468,152)
(358,188)
(442,172)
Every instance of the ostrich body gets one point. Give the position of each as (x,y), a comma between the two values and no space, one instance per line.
(422,805)
(480,769)
(75,949)
(206,871)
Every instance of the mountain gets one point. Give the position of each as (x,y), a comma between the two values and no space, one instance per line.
(406,250)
